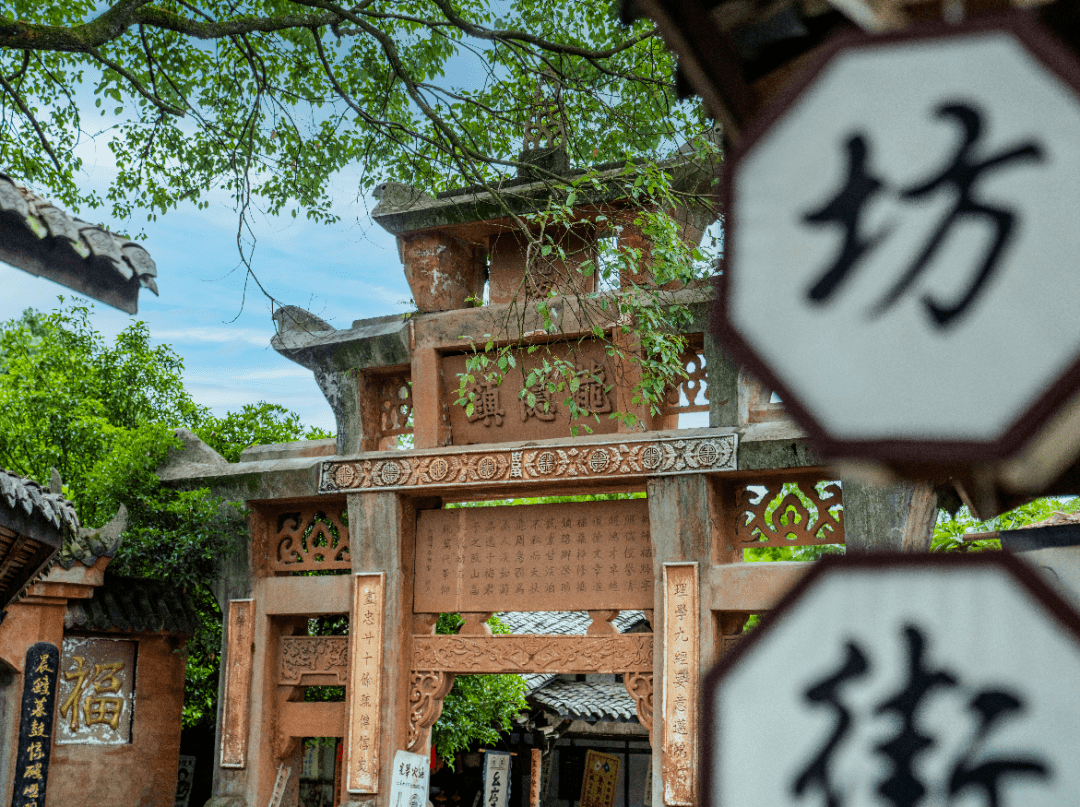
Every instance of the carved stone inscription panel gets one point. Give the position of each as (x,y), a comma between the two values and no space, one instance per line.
(499,415)
(681,665)
(365,683)
(585,556)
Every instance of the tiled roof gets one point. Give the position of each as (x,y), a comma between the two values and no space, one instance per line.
(584,700)
(564,623)
(86,545)
(42,239)
(33,525)
(133,605)
(37,502)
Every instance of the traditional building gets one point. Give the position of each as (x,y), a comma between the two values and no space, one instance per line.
(118,701)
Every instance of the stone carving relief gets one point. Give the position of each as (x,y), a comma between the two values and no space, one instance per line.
(534,654)
(621,460)
(426,693)
(309,539)
(804,516)
(499,413)
(640,687)
(303,657)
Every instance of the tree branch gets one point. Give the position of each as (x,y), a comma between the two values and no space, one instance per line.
(113,23)
(45,144)
(136,84)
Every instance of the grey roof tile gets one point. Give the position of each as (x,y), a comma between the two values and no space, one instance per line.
(588,701)
(40,238)
(563,623)
(133,605)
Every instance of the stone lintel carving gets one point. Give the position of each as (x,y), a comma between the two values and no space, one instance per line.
(426,693)
(534,654)
(574,460)
(306,658)
(640,687)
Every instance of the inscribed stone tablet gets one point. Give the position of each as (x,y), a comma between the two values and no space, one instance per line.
(586,556)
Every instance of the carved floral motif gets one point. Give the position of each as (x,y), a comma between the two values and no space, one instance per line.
(311,538)
(313,655)
(426,693)
(791,522)
(694,385)
(640,687)
(655,457)
(534,654)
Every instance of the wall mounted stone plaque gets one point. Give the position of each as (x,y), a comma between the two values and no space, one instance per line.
(567,557)
(499,415)
(35,726)
(97,682)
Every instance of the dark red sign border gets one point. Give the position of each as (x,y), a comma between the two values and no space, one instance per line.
(1056,607)
(1056,58)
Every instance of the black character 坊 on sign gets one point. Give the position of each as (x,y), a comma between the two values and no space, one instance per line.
(959,176)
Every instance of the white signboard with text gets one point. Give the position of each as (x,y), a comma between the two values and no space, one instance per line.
(409,781)
(901,246)
(896,681)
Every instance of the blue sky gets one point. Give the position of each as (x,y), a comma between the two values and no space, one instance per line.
(341,272)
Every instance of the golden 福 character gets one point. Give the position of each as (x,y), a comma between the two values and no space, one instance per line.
(71,702)
(106,705)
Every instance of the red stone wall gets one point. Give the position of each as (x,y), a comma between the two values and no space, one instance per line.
(142,774)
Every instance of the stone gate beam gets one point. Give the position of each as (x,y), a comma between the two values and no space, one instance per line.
(381,527)
(898,517)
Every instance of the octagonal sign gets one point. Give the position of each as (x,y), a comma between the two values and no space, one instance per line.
(901,681)
(903,240)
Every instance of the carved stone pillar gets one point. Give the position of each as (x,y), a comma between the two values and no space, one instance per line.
(687,522)
(381,539)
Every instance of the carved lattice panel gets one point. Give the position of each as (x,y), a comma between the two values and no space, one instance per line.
(694,388)
(790,514)
(395,401)
(310,538)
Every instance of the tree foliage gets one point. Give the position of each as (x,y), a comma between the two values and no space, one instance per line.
(268,98)
(478,707)
(103,416)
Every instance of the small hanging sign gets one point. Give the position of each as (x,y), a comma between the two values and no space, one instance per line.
(496,779)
